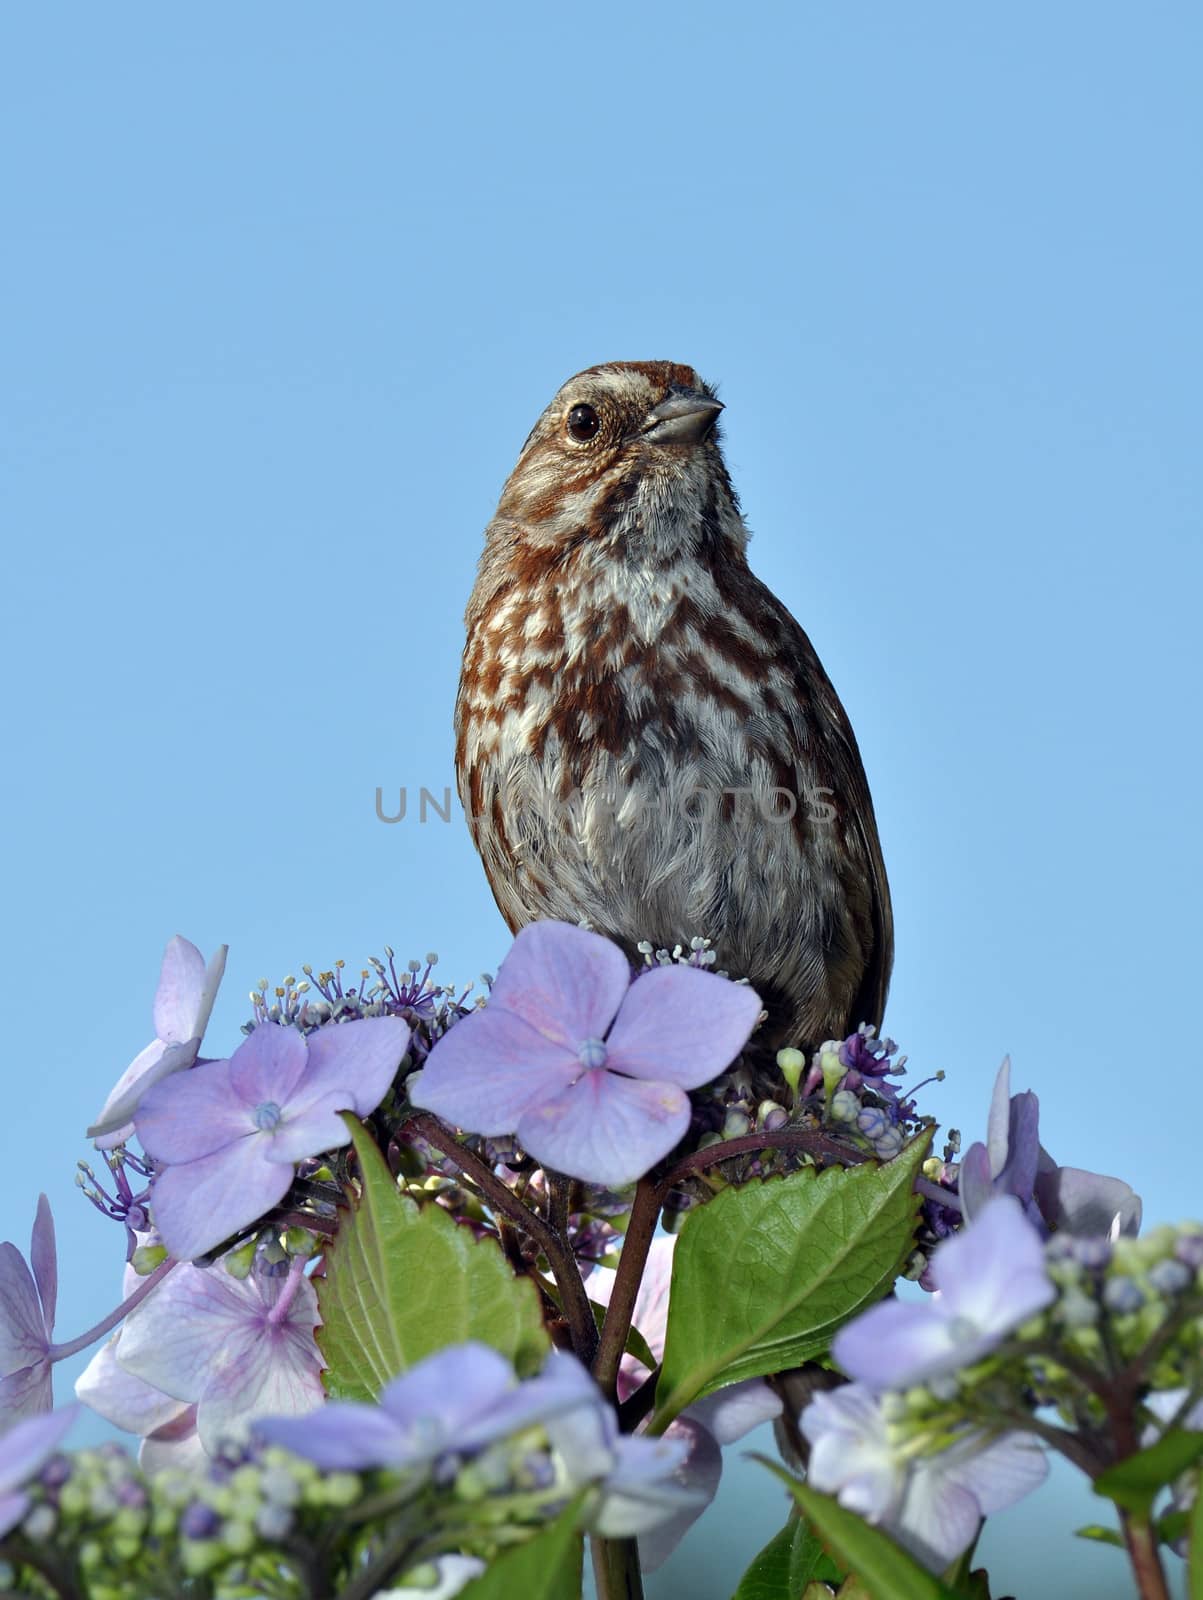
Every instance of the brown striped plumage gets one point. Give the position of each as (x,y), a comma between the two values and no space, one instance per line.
(623,668)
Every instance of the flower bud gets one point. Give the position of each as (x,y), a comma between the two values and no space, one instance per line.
(844,1107)
(791,1064)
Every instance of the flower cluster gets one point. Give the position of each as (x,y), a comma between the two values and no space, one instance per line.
(287,1238)
(928,1437)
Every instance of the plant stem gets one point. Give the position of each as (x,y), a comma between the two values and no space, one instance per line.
(616,1572)
(641,1230)
(60,1352)
(1143,1554)
(807,1140)
(577,1311)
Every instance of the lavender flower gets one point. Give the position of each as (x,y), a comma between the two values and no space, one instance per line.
(236,1349)
(183,1003)
(165,1425)
(229,1133)
(933,1503)
(1013,1161)
(455,1401)
(23,1450)
(588,1069)
(27,1305)
(990,1277)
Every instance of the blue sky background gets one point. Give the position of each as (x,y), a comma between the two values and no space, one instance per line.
(285,288)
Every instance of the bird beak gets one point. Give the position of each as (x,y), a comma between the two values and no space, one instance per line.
(681,419)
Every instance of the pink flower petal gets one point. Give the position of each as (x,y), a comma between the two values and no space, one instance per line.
(564,981)
(681,1025)
(268,1065)
(177,999)
(192,1114)
(358,1059)
(489,1069)
(199,1204)
(606,1129)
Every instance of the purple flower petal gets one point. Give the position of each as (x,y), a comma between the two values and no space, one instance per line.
(975,1185)
(267,1066)
(126,1093)
(998,1122)
(850,1452)
(343,1436)
(266,1369)
(1085,1203)
(223,1343)
(679,1498)
(192,1114)
(23,1336)
(455,1383)
(318,1127)
(200,1203)
(606,1129)
(489,1069)
(681,1025)
(357,1059)
(897,1343)
(44,1258)
(119,1397)
(28,1445)
(1002,1471)
(991,1278)
(27,1392)
(565,982)
(177,999)
(732,1412)
(992,1273)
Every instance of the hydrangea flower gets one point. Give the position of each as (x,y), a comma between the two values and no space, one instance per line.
(455,1401)
(586,1067)
(235,1348)
(24,1448)
(183,1003)
(989,1278)
(229,1133)
(1013,1161)
(932,1504)
(643,1487)
(166,1426)
(27,1305)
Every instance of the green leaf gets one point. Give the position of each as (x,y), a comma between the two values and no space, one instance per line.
(1099,1535)
(404,1280)
(768,1574)
(809,1561)
(547,1567)
(884,1569)
(1194,1571)
(792,1560)
(1135,1482)
(765,1273)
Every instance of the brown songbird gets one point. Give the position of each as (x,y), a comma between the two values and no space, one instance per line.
(645,738)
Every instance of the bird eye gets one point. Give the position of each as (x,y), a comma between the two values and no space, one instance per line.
(583,423)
